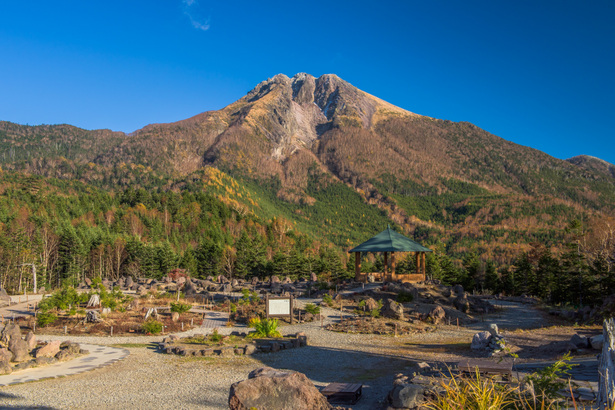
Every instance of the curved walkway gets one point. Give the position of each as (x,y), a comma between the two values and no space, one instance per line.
(98,357)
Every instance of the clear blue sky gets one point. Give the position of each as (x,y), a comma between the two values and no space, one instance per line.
(538,73)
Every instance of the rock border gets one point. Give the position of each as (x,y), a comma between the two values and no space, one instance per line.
(169,346)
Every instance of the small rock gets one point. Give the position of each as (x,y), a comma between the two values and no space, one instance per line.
(480,341)
(597,342)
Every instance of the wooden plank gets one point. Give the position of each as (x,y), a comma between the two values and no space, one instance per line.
(485,366)
(343,392)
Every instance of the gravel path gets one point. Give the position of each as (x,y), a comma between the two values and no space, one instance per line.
(147,379)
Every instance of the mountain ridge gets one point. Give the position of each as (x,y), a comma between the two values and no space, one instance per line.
(305,140)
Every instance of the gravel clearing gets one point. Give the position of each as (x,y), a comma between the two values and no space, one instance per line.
(148,380)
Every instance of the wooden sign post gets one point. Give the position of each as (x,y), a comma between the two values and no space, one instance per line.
(280,307)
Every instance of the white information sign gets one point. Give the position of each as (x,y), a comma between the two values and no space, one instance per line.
(279,307)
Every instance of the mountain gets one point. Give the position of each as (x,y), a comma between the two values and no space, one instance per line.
(324,154)
(594,165)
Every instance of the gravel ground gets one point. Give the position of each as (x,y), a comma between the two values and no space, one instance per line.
(146,379)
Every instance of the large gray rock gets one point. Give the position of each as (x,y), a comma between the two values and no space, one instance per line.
(10,331)
(5,354)
(480,341)
(437,314)
(597,342)
(493,329)
(406,396)
(31,340)
(579,341)
(49,350)
(392,309)
(5,367)
(92,316)
(271,389)
(462,303)
(19,348)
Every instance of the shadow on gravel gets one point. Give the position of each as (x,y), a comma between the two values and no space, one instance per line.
(327,365)
(4,395)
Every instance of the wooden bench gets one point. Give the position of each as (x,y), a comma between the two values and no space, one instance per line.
(342,392)
(503,367)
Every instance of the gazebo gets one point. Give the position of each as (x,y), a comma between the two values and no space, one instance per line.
(389,242)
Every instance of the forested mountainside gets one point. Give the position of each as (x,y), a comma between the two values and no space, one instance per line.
(331,163)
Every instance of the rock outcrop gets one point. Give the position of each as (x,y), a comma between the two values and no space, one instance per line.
(271,389)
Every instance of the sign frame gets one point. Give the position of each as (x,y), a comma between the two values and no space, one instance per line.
(280,298)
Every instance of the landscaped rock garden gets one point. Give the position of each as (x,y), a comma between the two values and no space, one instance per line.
(18,353)
(237,343)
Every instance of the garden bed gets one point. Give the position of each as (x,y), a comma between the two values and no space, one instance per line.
(227,346)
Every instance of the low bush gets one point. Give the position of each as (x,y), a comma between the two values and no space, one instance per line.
(152,326)
(215,336)
(326,298)
(404,297)
(45,318)
(265,327)
(312,309)
(180,307)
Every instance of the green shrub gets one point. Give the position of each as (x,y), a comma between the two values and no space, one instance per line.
(265,327)
(404,297)
(45,318)
(548,381)
(62,299)
(180,307)
(233,308)
(72,312)
(152,327)
(215,336)
(326,298)
(312,308)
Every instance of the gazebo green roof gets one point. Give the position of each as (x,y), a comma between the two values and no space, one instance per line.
(390,241)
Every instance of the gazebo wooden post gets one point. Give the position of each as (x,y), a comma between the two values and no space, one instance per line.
(423,258)
(392,267)
(386,266)
(418,262)
(357,266)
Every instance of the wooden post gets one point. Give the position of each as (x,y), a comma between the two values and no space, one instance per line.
(386,263)
(423,258)
(393,266)
(418,262)
(357,266)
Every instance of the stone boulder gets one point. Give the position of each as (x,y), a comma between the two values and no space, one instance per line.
(31,340)
(436,315)
(480,341)
(406,396)
(5,367)
(458,290)
(597,342)
(392,309)
(579,341)
(371,304)
(5,354)
(49,350)
(271,389)
(5,299)
(10,331)
(493,329)
(462,303)
(92,316)
(19,348)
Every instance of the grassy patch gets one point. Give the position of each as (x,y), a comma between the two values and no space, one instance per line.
(133,345)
